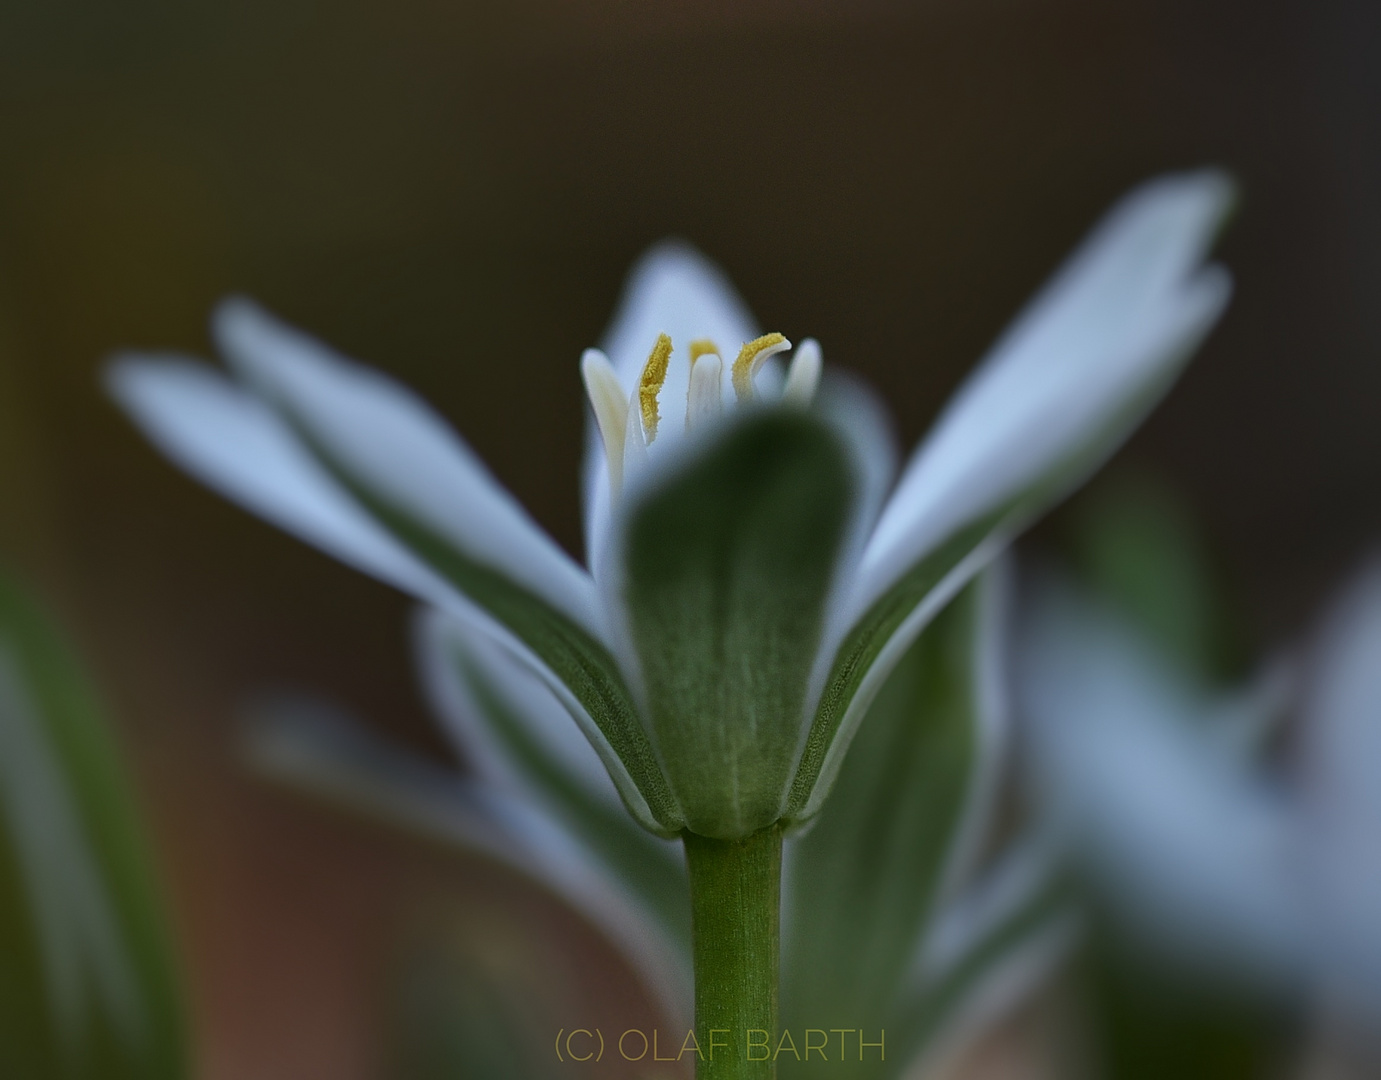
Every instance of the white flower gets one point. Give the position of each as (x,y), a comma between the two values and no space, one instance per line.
(747,590)
(951,940)
(1222,864)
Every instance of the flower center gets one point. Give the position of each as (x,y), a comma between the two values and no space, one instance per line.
(628,425)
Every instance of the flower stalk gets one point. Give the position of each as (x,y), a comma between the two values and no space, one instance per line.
(735,911)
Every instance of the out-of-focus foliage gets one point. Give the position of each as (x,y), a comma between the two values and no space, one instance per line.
(1135,542)
(475,992)
(873,891)
(87,983)
(1136,547)
(469,1000)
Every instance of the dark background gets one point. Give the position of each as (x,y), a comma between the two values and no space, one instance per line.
(453,191)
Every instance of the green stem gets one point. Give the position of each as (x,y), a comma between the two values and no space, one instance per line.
(736,890)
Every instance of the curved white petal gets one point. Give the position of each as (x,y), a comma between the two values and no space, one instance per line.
(1340,736)
(440,632)
(1108,331)
(993,947)
(545,720)
(238,446)
(1195,850)
(675,290)
(311,746)
(391,443)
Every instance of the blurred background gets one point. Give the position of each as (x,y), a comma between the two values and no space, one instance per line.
(453,192)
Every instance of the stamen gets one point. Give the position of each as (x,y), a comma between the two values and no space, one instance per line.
(699,347)
(750,358)
(704,400)
(654,374)
(803,377)
(611,410)
(634,447)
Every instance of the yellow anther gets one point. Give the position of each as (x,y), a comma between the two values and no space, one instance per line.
(750,358)
(700,347)
(654,374)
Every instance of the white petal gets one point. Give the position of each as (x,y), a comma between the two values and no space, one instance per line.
(393,444)
(611,410)
(993,724)
(803,377)
(705,398)
(311,746)
(976,983)
(1024,874)
(238,446)
(1109,330)
(574,735)
(675,290)
(1192,846)
(544,718)
(1340,737)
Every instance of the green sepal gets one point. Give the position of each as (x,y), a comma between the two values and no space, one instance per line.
(88,985)
(729,564)
(854,662)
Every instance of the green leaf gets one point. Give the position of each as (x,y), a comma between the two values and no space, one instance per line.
(1135,543)
(87,987)
(729,565)
(864,881)
(476,996)
(1151,1024)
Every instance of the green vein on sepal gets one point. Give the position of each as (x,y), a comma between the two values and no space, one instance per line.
(862,646)
(729,564)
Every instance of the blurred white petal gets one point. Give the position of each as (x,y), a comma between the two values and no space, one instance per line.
(1103,337)
(238,446)
(439,640)
(440,632)
(390,442)
(672,290)
(1340,743)
(1192,846)
(311,746)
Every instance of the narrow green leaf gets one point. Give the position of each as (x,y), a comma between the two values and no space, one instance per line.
(87,987)
(478,996)
(728,568)
(863,882)
(1136,544)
